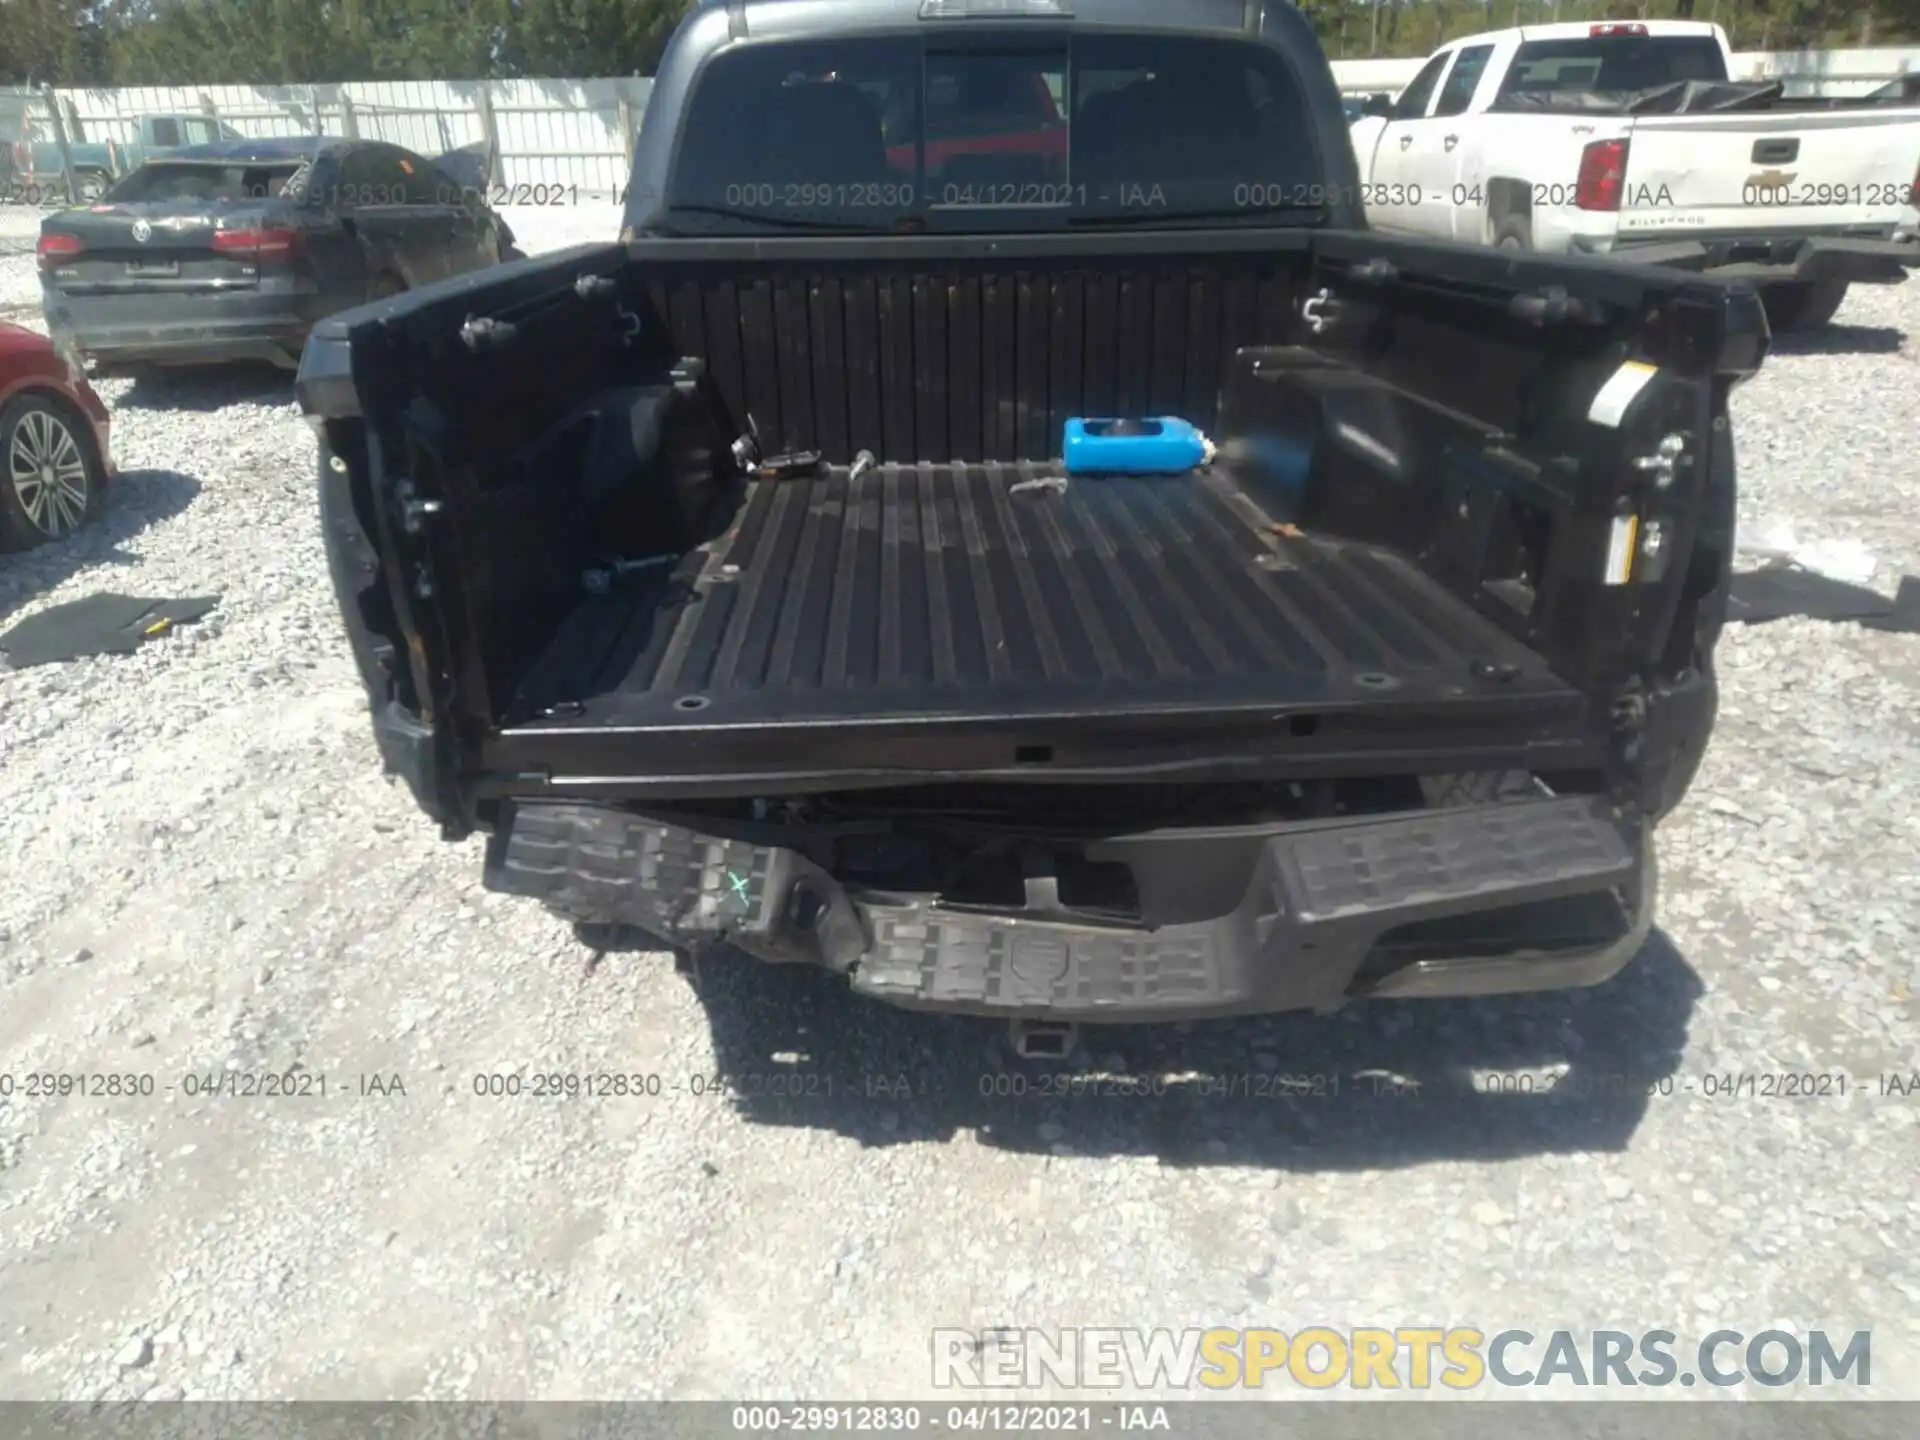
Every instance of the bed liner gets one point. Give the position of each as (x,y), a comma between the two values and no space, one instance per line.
(948,592)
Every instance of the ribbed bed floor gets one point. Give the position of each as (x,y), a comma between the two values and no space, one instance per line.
(939,591)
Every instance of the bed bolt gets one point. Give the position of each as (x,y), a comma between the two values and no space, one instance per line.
(1550,305)
(1667,457)
(480,332)
(1629,712)
(1494,673)
(418,512)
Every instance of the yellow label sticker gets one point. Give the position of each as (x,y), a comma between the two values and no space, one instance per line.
(1626,530)
(1610,404)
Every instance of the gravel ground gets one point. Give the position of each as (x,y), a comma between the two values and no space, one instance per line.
(206,874)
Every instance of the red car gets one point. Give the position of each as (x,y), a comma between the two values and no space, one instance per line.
(55,460)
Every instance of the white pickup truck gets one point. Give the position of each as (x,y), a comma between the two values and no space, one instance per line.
(1631,139)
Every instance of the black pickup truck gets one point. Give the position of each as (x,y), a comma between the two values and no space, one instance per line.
(1385,700)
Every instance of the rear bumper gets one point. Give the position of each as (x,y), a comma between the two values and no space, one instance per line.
(1536,895)
(1882,258)
(184,328)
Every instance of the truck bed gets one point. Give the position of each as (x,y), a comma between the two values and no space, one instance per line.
(939,593)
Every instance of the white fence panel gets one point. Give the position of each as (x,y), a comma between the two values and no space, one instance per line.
(1828,72)
(252,110)
(21,109)
(1357,76)
(428,117)
(568,133)
(565,134)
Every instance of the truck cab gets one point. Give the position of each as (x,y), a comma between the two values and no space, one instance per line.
(161,134)
(1429,158)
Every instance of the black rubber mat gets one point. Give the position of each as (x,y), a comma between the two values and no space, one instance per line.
(1777,593)
(97,625)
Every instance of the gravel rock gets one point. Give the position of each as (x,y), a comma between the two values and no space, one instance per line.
(1790,915)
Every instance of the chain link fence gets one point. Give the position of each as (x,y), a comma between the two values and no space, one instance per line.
(571,138)
(39,163)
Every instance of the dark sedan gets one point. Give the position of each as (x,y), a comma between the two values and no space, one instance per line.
(233,251)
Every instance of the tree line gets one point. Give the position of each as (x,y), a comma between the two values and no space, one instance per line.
(291,42)
(264,42)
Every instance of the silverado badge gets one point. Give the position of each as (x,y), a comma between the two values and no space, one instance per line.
(142,231)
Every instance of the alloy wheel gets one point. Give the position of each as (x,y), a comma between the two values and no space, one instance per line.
(48,472)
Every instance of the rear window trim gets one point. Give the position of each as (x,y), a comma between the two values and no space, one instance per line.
(1022,38)
(294,166)
(1509,83)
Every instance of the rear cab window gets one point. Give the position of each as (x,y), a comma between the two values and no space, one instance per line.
(373,175)
(1610,63)
(893,133)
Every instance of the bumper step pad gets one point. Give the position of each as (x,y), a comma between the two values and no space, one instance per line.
(1317,900)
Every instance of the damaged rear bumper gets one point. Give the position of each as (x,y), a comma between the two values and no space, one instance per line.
(268,323)
(1530,895)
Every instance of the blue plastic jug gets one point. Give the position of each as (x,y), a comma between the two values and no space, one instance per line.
(1162,445)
